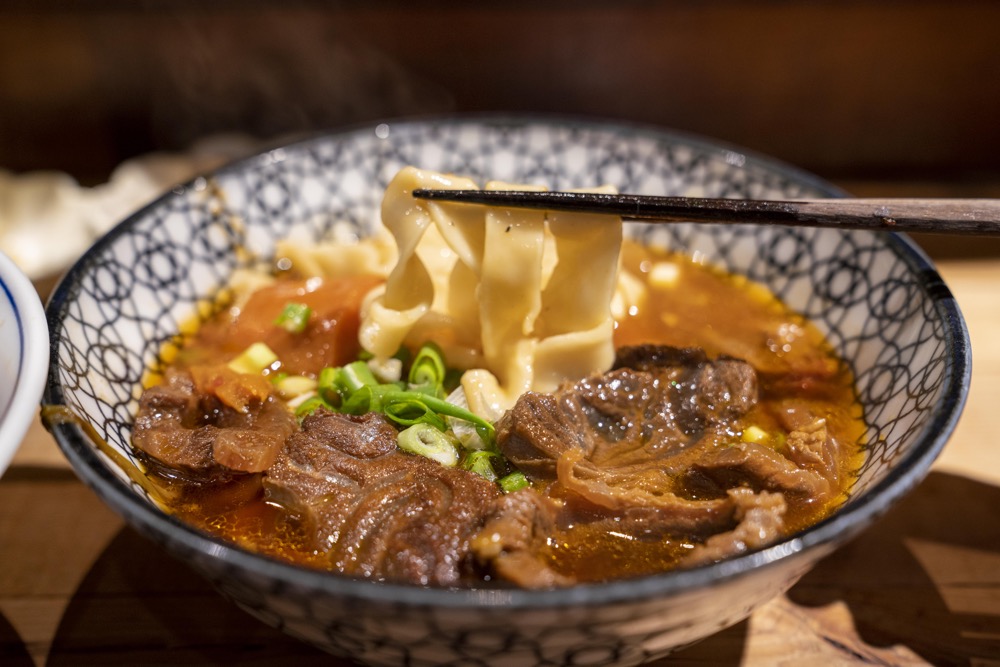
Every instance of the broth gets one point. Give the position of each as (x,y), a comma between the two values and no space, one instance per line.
(687,305)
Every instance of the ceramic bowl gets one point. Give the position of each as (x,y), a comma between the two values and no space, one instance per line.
(24,357)
(876,295)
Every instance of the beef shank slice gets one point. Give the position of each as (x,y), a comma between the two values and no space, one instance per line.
(376,511)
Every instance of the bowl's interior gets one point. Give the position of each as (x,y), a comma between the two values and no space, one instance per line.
(24,348)
(11,344)
(880,302)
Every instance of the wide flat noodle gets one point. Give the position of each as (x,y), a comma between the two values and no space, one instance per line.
(340,256)
(510,291)
(409,289)
(576,325)
(520,297)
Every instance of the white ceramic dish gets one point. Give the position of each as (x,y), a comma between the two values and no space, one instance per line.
(24,357)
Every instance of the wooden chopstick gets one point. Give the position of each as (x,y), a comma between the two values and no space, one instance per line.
(935,216)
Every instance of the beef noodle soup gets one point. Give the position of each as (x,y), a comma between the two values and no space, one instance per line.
(688,417)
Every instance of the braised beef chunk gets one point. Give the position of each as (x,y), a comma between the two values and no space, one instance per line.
(812,448)
(652,448)
(666,402)
(645,498)
(649,357)
(763,468)
(761,520)
(377,512)
(724,388)
(166,427)
(513,540)
(211,423)
(538,429)
(806,465)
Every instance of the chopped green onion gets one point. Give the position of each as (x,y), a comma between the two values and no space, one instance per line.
(428,369)
(369,398)
(326,387)
(408,408)
(353,376)
(513,482)
(442,407)
(355,389)
(425,440)
(254,360)
(294,317)
(481,463)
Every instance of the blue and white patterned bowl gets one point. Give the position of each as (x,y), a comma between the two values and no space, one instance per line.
(24,357)
(876,295)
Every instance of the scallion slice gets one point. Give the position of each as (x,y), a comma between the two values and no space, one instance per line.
(426,440)
(294,317)
(513,482)
(481,462)
(428,370)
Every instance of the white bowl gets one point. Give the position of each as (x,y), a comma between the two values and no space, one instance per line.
(24,357)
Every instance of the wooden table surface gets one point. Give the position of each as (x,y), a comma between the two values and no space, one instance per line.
(922,587)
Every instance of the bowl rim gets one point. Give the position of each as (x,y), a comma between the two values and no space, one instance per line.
(33,362)
(822,536)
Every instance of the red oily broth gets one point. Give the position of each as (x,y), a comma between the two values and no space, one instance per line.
(686,304)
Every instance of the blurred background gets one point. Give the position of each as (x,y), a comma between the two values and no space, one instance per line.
(883,98)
